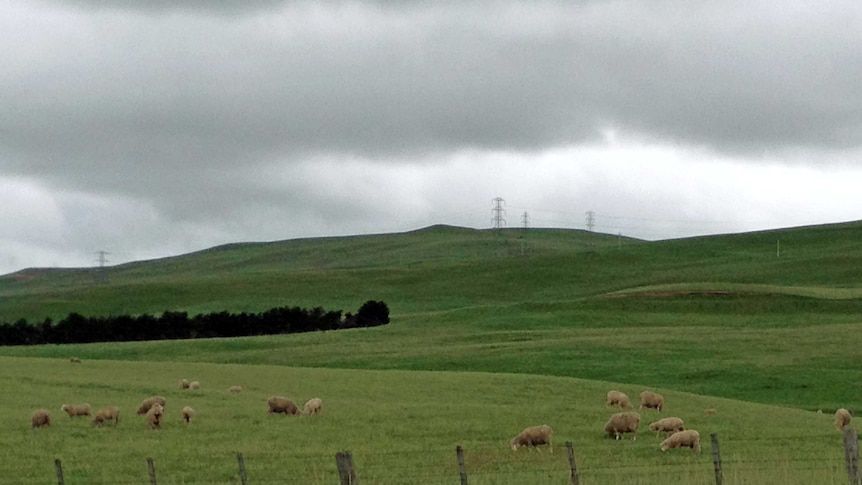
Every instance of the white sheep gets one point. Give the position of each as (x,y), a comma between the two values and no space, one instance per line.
(234,389)
(184,384)
(188,414)
(194,385)
(148,403)
(284,405)
(534,436)
(617,398)
(155,415)
(625,422)
(682,439)
(651,400)
(39,418)
(77,410)
(313,406)
(667,425)
(842,418)
(110,414)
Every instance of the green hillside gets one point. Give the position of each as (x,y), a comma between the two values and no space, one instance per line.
(724,315)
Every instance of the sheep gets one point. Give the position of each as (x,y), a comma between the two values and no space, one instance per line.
(626,422)
(75,360)
(682,439)
(39,418)
(617,398)
(313,406)
(148,403)
(194,385)
(842,418)
(110,414)
(651,400)
(155,415)
(76,410)
(534,436)
(709,412)
(234,389)
(667,425)
(284,405)
(188,414)
(184,384)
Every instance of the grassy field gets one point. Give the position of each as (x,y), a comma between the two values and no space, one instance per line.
(491,332)
(401,426)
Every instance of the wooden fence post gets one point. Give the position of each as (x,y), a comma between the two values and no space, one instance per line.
(851,455)
(59,468)
(346,472)
(459,452)
(716,459)
(241,462)
(151,469)
(573,470)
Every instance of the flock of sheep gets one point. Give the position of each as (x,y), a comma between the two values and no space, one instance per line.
(627,421)
(153,408)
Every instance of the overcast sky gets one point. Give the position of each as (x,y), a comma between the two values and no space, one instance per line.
(154,128)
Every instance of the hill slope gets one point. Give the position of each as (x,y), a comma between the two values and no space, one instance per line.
(722,315)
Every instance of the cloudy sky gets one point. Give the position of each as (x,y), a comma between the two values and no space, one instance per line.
(154,128)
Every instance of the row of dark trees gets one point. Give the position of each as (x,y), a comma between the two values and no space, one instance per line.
(76,328)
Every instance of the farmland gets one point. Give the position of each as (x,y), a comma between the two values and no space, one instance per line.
(490,332)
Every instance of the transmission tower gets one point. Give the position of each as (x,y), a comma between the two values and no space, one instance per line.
(591,220)
(102,275)
(499,212)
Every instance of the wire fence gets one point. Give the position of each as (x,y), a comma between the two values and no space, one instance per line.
(462,465)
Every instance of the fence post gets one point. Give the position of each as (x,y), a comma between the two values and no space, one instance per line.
(851,455)
(346,472)
(59,468)
(151,469)
(573,470)
(459,452)
(716,459)
(241,462)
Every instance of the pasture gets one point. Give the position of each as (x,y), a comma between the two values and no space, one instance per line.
(401,426)
(485,338)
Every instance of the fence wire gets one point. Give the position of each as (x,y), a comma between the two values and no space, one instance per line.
(483,465)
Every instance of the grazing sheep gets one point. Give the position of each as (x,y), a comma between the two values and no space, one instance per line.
(184,384)
(110,414)
(188,414)
(282,405)
(194,385)
(617,398)
(234,389)
(626,422)
(842,418)
(651,400)
(40,417)
(148,403)
(667,425)
(709,412)
(682,439)
(77,410)
(75,360)
(313,406)
(534,436)
(155,415)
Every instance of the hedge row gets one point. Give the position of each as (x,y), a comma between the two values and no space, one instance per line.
(76,328)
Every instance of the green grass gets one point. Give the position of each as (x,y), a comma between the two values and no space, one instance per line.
(483,341)
(401,426)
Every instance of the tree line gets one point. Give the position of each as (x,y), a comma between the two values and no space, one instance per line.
(175,325)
